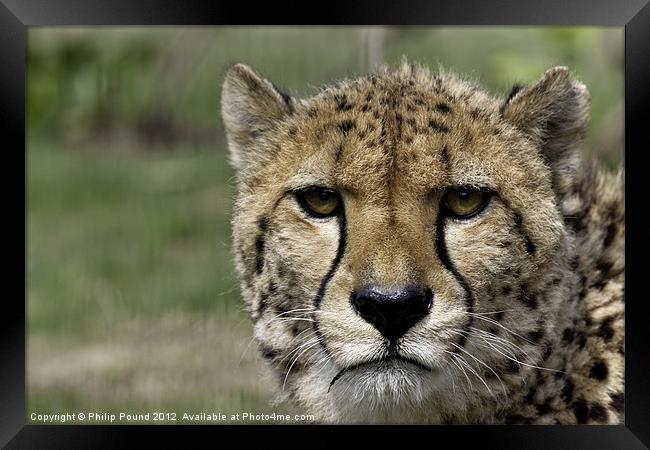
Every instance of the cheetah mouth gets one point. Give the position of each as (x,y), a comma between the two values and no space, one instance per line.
(378,363)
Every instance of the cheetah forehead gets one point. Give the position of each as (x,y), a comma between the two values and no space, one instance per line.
(430,130)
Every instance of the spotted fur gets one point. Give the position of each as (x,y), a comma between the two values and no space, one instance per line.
(527,321)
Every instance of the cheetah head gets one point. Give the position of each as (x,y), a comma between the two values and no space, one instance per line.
(398,236)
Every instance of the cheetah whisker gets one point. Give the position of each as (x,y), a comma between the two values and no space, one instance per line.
(294,362)
(284,313)
(471,369)
(241,358)
(478,316)
(523,363)
(493,337)
(484,364)
(308,342)
(455,362)
(499,311)
(289,319)
(451,377)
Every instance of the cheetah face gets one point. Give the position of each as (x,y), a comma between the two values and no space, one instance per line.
(398,236)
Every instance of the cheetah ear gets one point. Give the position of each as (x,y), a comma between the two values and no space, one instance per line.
(250,106)
(554,112)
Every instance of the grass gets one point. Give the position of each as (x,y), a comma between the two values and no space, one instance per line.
(114,236)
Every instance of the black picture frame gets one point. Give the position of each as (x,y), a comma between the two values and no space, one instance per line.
(17,15)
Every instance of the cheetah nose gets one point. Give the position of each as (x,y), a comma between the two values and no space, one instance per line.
(393,312)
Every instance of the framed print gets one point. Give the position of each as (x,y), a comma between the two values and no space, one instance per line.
(391,221)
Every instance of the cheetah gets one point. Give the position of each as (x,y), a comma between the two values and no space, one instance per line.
(412,249)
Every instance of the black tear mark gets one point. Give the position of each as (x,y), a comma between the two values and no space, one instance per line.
(443,255)
(437,126)
(340,251)
(346,126)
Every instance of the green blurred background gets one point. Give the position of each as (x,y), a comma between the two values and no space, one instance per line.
(133,303)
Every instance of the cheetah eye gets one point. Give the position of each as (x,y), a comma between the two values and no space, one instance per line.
(465,202)
(318,201)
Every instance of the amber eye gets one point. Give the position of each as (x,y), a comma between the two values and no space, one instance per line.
(465,202)
(318,201)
